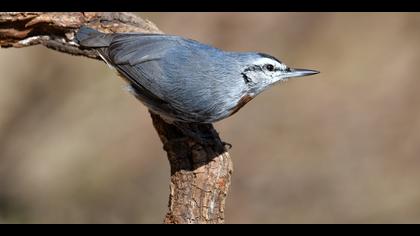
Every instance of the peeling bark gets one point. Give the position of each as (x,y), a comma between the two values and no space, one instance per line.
(200,174)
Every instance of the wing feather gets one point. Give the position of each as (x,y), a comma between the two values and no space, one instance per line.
(137,57)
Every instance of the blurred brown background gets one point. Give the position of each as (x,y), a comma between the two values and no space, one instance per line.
(339,147)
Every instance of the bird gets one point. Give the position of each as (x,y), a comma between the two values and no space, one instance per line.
(183,80)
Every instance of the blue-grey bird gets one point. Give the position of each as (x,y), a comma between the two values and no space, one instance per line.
(183,80)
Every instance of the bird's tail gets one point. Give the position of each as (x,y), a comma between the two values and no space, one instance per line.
(88,37)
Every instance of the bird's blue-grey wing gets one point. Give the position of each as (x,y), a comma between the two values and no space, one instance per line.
(139,59)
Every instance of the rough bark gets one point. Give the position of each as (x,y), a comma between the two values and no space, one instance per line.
(200,174)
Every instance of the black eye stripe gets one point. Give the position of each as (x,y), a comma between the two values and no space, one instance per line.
(264,67)
(253,68)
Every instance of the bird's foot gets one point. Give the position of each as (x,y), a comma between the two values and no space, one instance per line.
(203,137)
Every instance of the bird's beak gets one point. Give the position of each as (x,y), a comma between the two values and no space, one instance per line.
(299,73)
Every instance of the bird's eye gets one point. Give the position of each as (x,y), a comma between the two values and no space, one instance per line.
(269,67)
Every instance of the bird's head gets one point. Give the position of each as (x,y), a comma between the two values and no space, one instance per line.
(260,71)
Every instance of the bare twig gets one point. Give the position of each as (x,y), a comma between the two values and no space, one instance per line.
(200,175)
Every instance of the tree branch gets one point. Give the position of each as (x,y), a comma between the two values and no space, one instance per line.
(200,175)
